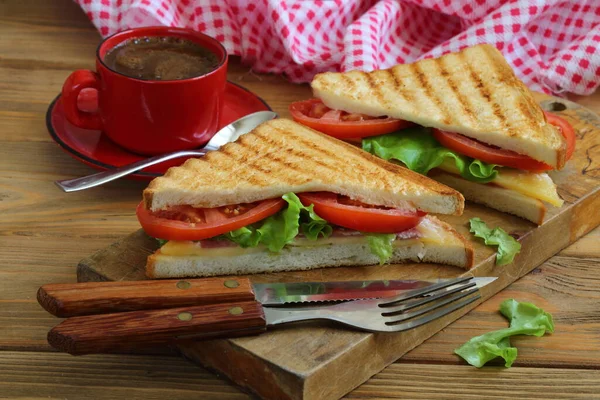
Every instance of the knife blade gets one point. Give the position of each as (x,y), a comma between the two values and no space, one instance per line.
(308,292)
(69,300)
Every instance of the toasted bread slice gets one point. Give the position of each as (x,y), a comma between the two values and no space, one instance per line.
(473,92)
(439,244)
(281,156)
(496,197)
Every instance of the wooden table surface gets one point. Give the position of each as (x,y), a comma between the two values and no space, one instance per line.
(44,233)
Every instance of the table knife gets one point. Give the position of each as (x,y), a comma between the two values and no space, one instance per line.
(75,299)
(109,316)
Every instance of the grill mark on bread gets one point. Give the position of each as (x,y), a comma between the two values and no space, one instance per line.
(374,88)
(267,139)
(264,168)
(506,76)
(226,152)
(505,73)
(334,161)
(430,92)
(262,164)
(374,162)
(375,166)
(462,99)
(312,153)
(327,155)
(289,167)
(484,91)
(313,147)
(349,82)
(399,86)
(528,110)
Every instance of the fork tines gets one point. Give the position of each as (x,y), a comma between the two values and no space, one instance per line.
(427,304)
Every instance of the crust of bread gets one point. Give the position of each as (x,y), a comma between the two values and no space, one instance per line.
(496,197)
(455,250)
(457,237)
(473,92)
(281,156)
(161,266)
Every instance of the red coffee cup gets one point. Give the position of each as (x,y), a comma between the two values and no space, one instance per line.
(150,117)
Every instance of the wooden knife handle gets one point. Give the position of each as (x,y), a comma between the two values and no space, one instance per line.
(73,299)
(120,331)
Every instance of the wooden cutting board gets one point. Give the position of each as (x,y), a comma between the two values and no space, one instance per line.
(320,361)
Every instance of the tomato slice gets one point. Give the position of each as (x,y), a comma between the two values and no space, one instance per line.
(507,158)
(567,131)
(486,153)
(340,124)
(189,223)
(351,214)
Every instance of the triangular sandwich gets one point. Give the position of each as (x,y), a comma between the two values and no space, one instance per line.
(285,197)
(473,106)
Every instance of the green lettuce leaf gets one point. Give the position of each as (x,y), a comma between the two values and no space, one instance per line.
(508,246)
(161,242)
(380,244)
(247,236)
(280,229)
(311,224)
(420,152)
(525,319)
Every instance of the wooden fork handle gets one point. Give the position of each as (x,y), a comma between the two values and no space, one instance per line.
(120,331)
(73,299)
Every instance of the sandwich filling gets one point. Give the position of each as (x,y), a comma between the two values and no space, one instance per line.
(381,245)
(419,149)
(295,220)
(423,149)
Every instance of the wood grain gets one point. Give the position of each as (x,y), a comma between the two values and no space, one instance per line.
(49,375)
(61,376)
(410,381)
(106,333)
(44,233)
(70,300)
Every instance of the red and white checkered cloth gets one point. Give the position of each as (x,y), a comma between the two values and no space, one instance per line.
(553,45)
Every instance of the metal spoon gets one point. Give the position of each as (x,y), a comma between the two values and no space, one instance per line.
(227,134)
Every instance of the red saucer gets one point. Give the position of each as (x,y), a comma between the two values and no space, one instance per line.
(96,150)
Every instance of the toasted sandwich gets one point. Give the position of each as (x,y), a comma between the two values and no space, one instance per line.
(285,197)
(464,119)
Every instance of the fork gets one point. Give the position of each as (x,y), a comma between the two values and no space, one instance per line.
(391,314)
(122,330)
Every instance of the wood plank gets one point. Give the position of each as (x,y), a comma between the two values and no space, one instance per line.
(587,246)
(299,362)
(564,286)
(52,375)
(66,15)
(412,381)
(32,31)
(55,375)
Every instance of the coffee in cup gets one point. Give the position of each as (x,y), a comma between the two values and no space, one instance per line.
(159,58)
(160,89)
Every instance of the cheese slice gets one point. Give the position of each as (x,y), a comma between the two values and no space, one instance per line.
(537,185)
(428,232)
(189,248)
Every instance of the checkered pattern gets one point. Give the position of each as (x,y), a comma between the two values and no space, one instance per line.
(551,44)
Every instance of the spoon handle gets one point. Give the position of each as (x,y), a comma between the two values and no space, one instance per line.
(90,181)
